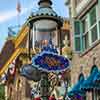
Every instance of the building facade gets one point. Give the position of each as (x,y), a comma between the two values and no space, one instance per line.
(85,22)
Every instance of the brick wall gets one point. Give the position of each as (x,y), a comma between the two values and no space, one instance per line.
(85,60)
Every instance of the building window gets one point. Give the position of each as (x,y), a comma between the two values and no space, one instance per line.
(85,41)
(85,33)
(93,24)
(85,25)
(77,29)
(77,43)
(93,16)
(77,36)
(87,29)
(94,34)
(99,26)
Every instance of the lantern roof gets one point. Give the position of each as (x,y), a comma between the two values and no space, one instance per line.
(45,11)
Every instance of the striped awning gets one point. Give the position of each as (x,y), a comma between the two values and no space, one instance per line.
(97,78)
(89,84)
(76,90)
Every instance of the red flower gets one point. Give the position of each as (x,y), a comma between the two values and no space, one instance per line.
(38,98)
(52,98)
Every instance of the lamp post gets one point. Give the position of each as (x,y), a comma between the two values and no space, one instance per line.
(44,86)
(45,25)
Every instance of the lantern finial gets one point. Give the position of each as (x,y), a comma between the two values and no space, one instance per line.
(43,3)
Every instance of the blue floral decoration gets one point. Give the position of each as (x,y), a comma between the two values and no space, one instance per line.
(50,62)
(50,47)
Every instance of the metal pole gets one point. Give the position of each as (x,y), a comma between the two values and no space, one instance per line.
(30,41)
(94,94)
(60,40)
(44,86)
(66,89)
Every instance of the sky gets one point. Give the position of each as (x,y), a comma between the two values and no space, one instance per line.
(9,16)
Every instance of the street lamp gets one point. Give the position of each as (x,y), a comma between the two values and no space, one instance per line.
(45,25)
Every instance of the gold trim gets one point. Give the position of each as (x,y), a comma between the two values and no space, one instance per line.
(66,25)
(21,36)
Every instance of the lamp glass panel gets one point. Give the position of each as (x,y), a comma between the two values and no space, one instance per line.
(43,31)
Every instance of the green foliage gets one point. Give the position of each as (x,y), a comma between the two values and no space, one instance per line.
(2,92)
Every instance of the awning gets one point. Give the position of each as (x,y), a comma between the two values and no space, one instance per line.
(76,90)
(73,93)
(89,84)
(97,78)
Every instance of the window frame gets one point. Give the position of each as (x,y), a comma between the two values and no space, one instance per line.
(92,16)
(85,32)
(95,33)
(78,36)
(90,29)
(92,26)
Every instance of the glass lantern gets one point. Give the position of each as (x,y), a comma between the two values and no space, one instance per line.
(43,31)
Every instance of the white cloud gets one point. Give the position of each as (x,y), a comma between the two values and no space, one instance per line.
(7,15)
(4,16)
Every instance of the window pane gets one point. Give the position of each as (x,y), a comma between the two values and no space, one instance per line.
(85,41)
(77,27)
(85,25)
(99,26)
(77,44)
(94,33)
(93,16)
